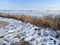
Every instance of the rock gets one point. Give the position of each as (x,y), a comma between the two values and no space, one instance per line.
(11,31)
(16,35)
(53,33)
(22,42)
(14,44)
(39,32)
(16,40)
(1,36)
(4,43)
(8,38)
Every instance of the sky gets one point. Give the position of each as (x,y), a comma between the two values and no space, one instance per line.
(29,4)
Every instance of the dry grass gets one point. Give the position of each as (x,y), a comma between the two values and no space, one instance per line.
(36,21)
(22,42)
(3,23)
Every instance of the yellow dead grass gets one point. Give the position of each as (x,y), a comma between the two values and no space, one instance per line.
(3,23)
(34,20)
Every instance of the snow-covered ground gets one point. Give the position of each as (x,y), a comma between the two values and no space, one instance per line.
(17,30)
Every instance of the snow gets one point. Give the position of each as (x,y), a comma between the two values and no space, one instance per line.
(17,30)
(38,13)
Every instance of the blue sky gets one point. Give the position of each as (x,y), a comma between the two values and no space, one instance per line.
(29,4)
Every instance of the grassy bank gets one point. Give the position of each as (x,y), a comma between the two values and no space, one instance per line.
(41,22)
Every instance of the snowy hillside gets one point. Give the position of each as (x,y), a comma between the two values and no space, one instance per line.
(16,30)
